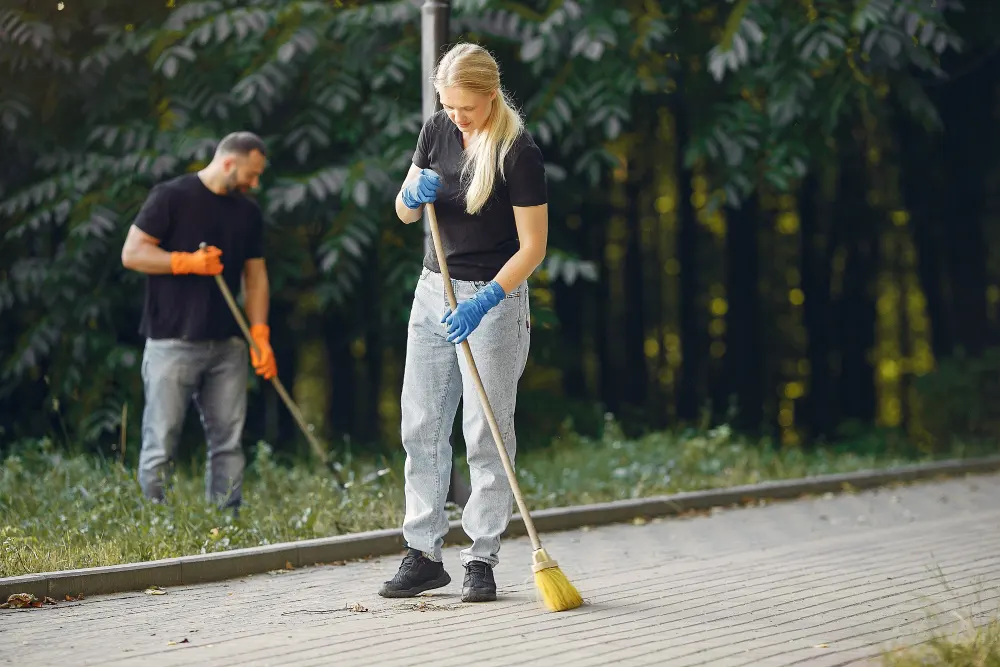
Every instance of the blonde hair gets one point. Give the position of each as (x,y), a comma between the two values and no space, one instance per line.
(472,68)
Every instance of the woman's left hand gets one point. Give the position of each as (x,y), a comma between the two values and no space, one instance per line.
(470,312)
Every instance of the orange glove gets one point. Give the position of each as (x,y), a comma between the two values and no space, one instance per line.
(204,262)
(264,362)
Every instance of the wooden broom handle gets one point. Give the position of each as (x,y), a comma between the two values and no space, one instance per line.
(497,438)
(278,385)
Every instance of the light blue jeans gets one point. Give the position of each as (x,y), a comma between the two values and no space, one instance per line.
(212,374)
(435,378)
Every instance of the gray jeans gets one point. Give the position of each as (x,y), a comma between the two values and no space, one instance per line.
(214,375)
(435,377)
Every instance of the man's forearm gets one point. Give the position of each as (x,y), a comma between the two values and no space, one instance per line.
(257,291)
(146,258)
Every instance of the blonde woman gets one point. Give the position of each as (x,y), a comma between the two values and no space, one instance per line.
(485,175)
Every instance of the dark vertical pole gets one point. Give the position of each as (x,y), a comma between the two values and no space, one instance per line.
(433,37)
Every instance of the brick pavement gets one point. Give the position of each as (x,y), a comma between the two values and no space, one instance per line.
(825,581)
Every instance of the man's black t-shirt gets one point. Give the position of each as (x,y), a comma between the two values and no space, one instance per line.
(182,213)
(477,246)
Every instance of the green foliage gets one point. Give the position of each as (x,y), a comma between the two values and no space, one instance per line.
(795,71)
(958,399)
(63,512)
(128,98)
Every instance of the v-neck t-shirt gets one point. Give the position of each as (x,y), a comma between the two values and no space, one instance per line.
(477,246)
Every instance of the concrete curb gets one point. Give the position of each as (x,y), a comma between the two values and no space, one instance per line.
(187,570)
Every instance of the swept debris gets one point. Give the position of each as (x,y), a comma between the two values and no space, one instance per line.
(25,601)
(424,605)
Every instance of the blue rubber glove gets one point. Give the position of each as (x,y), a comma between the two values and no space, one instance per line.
(421,190)
(470,312)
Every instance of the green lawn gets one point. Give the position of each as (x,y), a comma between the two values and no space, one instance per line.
(61,512)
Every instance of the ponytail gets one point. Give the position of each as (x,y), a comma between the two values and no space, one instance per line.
(488,153)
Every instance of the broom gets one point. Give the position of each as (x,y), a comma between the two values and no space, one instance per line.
(278,385)
(557,592)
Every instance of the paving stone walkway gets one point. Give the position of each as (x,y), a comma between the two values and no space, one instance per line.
(824,581)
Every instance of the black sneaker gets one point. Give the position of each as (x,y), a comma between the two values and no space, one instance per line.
(416,574)
(479,585)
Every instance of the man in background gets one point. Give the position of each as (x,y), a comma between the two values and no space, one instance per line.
(194,348)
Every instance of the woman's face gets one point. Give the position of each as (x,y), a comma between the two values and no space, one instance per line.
(468,110)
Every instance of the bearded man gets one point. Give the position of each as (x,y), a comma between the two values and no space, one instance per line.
(194,350)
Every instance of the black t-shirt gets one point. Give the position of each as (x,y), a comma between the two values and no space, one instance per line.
(182,213)
(477,246)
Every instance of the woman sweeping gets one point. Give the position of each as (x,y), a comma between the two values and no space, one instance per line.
(485,175)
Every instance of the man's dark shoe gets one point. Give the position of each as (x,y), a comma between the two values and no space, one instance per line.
(479,585)
(416,574)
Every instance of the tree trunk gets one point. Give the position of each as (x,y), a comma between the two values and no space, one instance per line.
(367,421)
(341,407)
(694,338)
(920,178)
(569,303)
(599,220)
(856,307)
(635,375)
(967,110)
(743,360)
(815,258)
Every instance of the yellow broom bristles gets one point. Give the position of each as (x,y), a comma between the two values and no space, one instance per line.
(557,592)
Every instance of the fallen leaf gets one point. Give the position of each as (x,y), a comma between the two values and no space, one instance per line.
(155,590)
(821,646)
(288,565)
(357,607)
(21,601)
(73,598)
(639,521)
(183,641)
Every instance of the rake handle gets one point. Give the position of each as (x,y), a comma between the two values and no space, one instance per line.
(480,389)
(278,386)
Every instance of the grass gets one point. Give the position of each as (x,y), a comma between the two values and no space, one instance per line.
(61,512)
(975,647)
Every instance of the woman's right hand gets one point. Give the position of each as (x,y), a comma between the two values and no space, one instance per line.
(421,190)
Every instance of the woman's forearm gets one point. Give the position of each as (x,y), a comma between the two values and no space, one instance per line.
(519,267)
(406,214)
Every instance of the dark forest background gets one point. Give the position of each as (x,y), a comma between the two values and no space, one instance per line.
(776,214)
